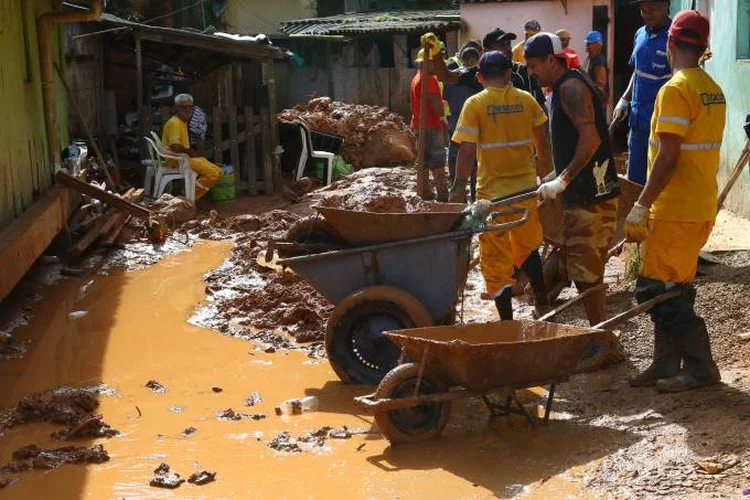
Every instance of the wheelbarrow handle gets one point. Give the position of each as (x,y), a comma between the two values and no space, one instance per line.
(550,315)
(517,197)
(635,311)
(506,225)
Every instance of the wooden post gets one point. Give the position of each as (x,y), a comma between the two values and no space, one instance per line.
(274,138)
(218,157)
(139,86)
(422,176)
(234,149)
(268,180)
(252,167)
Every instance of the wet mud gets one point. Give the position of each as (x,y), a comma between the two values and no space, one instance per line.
(373,135)
(33,457)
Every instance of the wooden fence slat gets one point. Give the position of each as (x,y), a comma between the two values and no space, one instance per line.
(252,167)
(217,135)
(268,186)
(234,150)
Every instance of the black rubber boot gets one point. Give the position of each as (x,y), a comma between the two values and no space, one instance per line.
(699,368)
(666,362)
(533,269)
(504,304)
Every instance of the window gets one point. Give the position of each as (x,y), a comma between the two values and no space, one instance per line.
(743,29)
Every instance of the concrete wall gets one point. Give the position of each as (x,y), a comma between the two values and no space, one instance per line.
(25,170)
(733,75)
(262,16)
(481,18)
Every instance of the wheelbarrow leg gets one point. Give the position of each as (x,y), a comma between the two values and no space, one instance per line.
(523,410)
(548,407)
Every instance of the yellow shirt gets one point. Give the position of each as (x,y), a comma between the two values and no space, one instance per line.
(175,132)
(500,121)
(692,106)
(518,55)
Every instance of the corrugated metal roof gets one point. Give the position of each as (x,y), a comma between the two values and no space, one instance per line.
(375,22)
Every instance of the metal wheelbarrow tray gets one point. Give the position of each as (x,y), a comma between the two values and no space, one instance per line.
(413,401)
(389,286)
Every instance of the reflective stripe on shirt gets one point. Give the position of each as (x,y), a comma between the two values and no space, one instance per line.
(649,76)
(469,130)
(698,146)
(675,119)
(492,145)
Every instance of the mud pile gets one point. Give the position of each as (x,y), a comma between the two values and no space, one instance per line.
(383,190)
(33,457)
(373,135)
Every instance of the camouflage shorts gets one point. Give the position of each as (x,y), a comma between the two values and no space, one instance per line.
(588,236)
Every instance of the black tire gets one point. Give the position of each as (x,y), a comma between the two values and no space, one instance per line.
(357,349)
(310,230)
(415,424)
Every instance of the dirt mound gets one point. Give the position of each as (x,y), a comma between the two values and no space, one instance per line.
(374,190)
(64,407)
(373,135)
(31,456)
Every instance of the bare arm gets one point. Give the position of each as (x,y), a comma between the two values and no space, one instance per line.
(442,72)
(663,169)
(577,103)
(628,94)
(465,162)
(178,148)
(436,103)
(543,150)
(600,76)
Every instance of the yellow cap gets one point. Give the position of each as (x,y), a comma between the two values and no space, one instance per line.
(430,40)
(563,34)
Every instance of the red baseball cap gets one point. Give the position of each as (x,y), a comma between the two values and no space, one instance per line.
(690,26)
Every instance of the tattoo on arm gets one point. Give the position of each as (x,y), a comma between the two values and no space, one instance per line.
(578,104)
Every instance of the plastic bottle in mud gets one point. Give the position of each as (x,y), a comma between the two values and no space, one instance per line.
(310,403)
(291,407)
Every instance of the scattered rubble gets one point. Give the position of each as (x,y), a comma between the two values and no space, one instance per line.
(373,135)
(92,427)
(253,399)
(201,478)
(174,210)
(33,457)
(217,390)
(156,387)
(228,414)
(189,431)
(284,443)
(7,481)
(165,479)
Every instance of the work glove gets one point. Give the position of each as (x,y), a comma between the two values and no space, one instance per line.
(457,193)
(621,110)
(551,189)
(636,224)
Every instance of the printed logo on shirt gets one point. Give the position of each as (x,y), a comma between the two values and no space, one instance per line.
(509,109)
(661,53)
(659,66)
(709,99)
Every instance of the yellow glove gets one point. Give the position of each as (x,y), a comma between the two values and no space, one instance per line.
(636,224)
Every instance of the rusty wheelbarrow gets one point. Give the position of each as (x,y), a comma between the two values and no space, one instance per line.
(392,285)
(413,401)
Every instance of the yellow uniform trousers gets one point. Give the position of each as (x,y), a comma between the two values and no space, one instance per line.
(208,175)
(499,251)
(670,251)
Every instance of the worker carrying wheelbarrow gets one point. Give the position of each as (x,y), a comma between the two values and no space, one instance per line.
(585,177)
(677,209)
(502,126)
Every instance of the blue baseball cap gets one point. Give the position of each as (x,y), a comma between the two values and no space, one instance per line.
(494,63)
(594,37)
(544,44)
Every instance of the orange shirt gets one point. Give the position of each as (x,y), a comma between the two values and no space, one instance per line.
(433,89)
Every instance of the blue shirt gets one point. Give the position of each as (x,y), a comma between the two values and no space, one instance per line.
(651,71)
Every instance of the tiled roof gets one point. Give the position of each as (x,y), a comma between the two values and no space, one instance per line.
(375,22)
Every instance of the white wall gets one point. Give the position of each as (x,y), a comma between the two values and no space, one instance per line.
(250,17)
(480,18)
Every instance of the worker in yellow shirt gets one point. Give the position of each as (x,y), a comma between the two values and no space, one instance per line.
(176,137)
(530,29)
(502,126)
(677,209)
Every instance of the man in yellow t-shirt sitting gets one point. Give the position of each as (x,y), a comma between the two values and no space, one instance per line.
(176,137)
(677,209)
(502,126)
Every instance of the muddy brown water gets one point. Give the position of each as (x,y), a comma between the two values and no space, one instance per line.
(136,330)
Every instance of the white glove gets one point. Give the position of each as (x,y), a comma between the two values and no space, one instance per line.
(637,214)
(550,190)
(621,110)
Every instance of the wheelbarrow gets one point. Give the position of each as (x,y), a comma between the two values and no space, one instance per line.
(408,283)
(413,401)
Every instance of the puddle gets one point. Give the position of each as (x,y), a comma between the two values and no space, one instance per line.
(136,330)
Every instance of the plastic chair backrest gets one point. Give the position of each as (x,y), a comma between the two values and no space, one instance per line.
(153,152)
(307,135)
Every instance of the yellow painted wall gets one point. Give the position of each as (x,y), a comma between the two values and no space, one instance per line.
(25,169)
(251,17)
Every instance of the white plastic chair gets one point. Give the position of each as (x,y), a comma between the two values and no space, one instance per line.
(308,151)
(162,175)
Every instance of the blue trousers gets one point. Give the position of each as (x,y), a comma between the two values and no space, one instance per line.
(638,159)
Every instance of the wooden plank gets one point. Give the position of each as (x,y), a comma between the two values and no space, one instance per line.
(121,220)
(250,160)
(139,91)
(268,180)
(27,236)
(100,225)
(744,158)
(274,139)
(234,149)
(218,159)
(108,198)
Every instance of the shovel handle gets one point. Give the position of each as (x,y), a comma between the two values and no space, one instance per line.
(506,225)
(635,311)
(572,301)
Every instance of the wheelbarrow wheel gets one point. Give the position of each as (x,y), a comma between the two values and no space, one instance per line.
(358,351)
(309,230)
(408,425)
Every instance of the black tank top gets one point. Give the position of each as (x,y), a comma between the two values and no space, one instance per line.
(597,181)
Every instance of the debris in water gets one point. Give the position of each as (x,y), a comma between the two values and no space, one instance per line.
(258,416)
(156,386)
(284,443)
(189,431)
(162,469)
(277,411)
(31,456)
(176,409)
(201,478)
(342,433)
(170,480)
(77,314)
(91,427)
(217,389)
(7,481)
(228,414)
(65,407)
(253,399)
